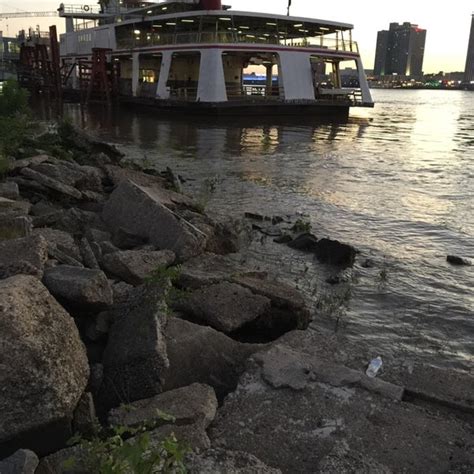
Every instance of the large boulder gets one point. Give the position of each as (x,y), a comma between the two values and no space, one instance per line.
(135,357)
(9,190)
(140,211)
(9,207)
(335,253)
(225,306)
(43,367)
(134,266)
(52,184)
(79,287)
(23,256)
(200,354)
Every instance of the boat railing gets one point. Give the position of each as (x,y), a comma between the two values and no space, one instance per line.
(79,9)
(156,39)
(85,25)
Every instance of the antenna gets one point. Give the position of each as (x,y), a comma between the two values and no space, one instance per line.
(288,9)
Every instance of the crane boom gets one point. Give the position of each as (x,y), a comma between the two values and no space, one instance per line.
(27,14)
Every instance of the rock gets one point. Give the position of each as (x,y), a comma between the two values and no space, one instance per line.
(63,172)
(135,357)
(73,460)
(455,260)
(228,236)
(79,287)
(11,208)
(51,183)
(306,241)
(63,258)
(61,240)
(84,420)
(336,253)
(23,256)
(25,162)
(99,327)
(217,460)
(43,367)
(121,291)
(368,263)
(134,266)
(43,208)
(289,309)
(76,221)
(200,354)
(23,461)
(284,239)
(193,436)
(125,240)
(196,403)
(95,379)
(139,210)
(107,247)
(91,179)
(295,410)
(9,190)
(97,235)
(225,306)
(88,256)
(15,227)
(207,269)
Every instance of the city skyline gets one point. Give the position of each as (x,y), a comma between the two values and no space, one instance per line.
(447,29)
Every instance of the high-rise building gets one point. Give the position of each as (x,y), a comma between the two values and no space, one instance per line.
(469,71)
(400,50)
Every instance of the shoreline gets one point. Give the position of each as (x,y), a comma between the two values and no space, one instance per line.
(103,239)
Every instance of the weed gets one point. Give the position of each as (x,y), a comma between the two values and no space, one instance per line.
(383,276)
(128,450)
(333,306)
(13,100)
(208,188)
(301,226)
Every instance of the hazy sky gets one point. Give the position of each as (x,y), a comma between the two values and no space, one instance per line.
(448,23)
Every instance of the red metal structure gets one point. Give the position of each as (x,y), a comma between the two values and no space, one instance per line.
(211,4)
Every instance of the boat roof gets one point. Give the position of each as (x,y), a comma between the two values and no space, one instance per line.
(187,8)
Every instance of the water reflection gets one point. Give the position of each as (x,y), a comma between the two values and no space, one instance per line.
(396,182)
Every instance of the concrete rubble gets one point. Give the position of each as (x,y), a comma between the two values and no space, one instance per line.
(125,307)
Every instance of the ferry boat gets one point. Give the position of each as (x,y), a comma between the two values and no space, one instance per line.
(194,55)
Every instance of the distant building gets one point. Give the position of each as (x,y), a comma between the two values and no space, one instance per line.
(400,51)
(469,71)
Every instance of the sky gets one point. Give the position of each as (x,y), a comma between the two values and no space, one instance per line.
(448,23)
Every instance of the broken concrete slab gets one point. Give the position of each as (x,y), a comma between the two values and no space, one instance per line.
(140,211)
(195,403)
(51,183)
(224,306)
(135,266)
(200,354)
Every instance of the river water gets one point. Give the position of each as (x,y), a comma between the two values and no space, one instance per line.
(397,182)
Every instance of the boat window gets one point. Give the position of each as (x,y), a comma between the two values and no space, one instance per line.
(252,75)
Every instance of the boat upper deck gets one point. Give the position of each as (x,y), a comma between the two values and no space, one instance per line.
(236,27)
(184,22)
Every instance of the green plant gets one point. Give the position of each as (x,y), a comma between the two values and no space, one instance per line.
(13,100)
(128,450)
(166,278)
(301,226)
(208,188)
(333,306)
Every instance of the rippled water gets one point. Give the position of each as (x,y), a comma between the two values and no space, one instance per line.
(397,182)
